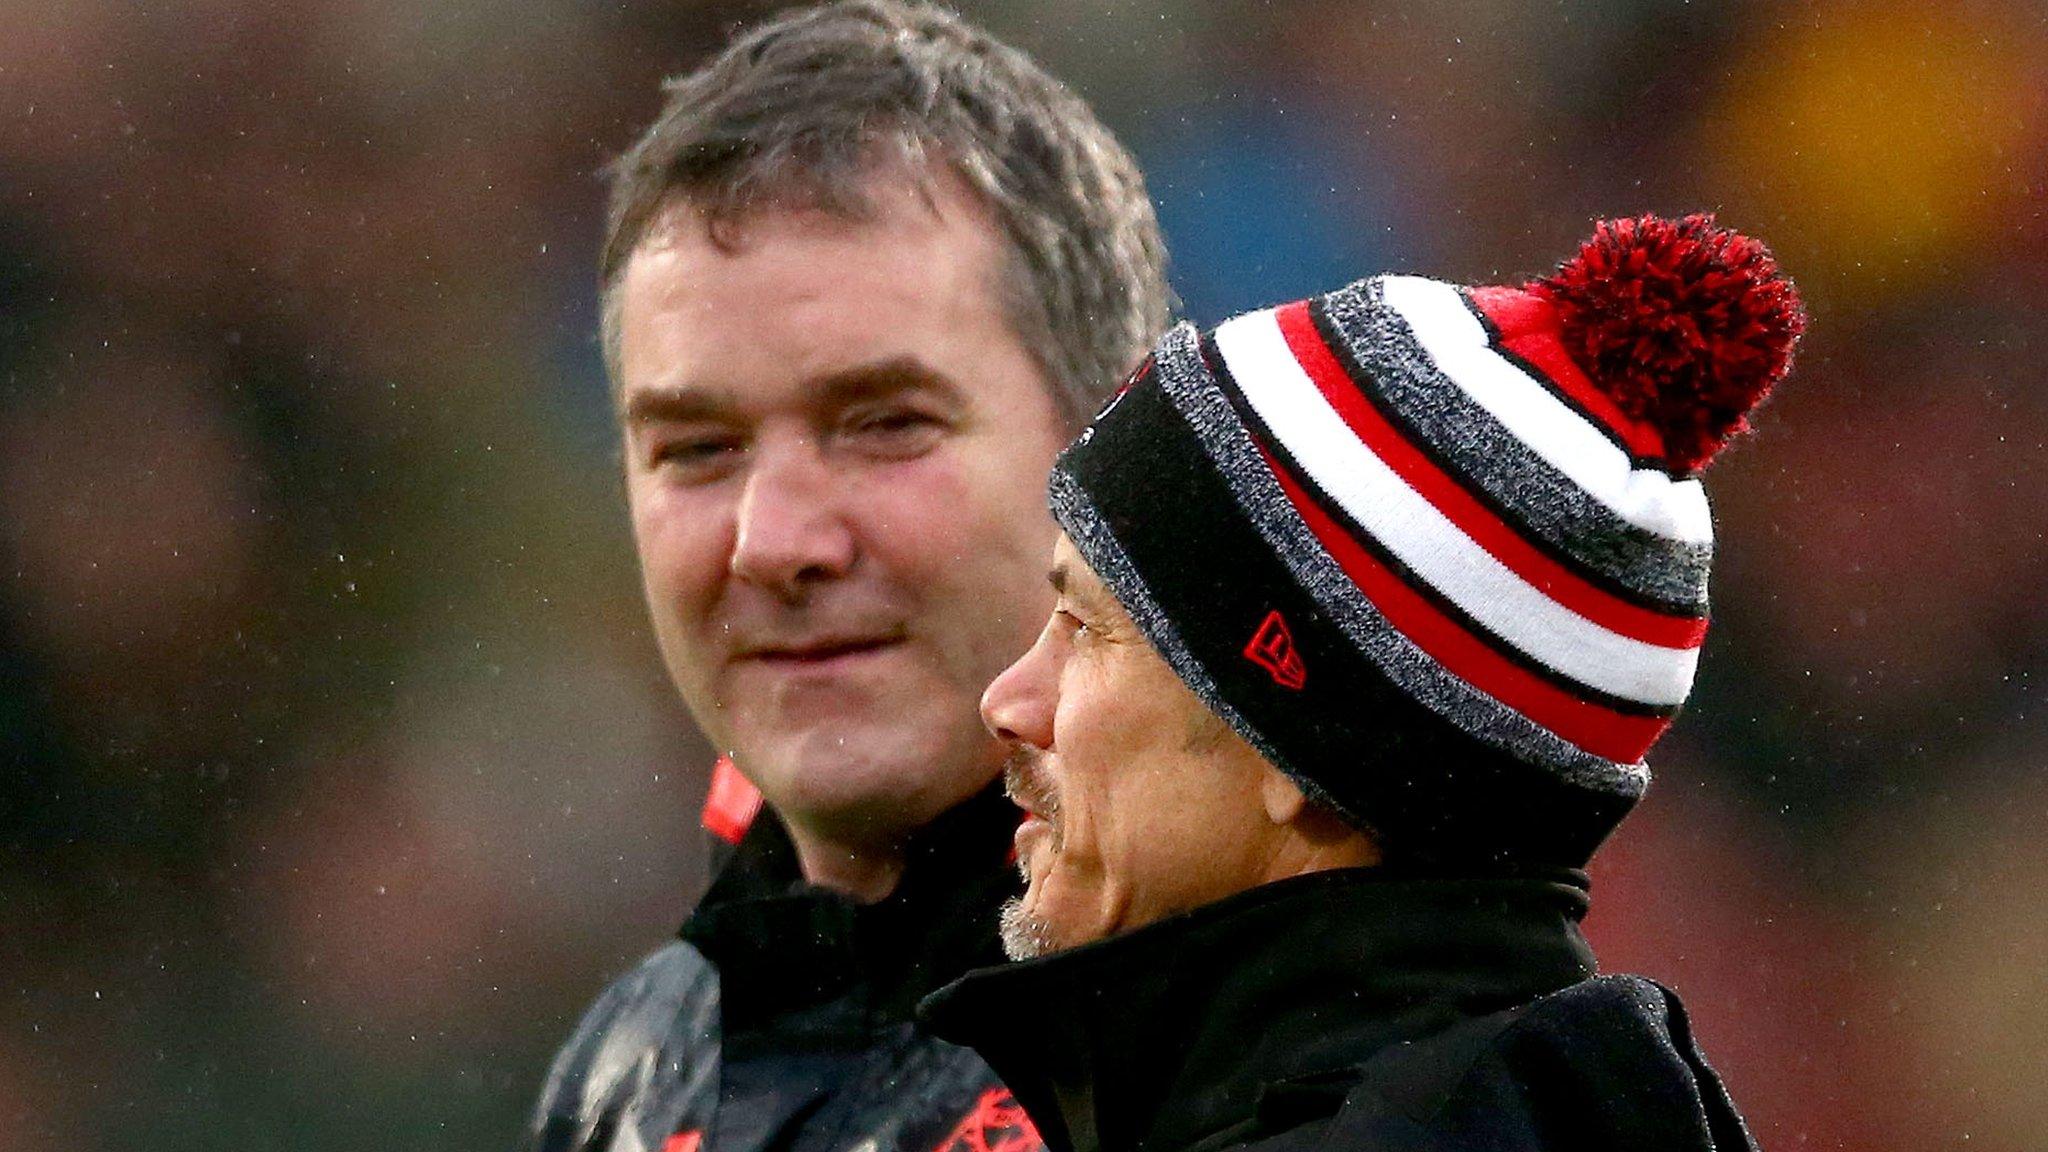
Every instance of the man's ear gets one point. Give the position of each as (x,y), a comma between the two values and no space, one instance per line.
(1332,842)
(1283,799)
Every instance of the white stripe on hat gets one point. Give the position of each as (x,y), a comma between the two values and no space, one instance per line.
(1645,497)
(1426,541)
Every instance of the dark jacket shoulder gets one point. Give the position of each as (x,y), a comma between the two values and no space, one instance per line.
(781,1018)
(643,1050)
(1605,1064)
(1349,1009)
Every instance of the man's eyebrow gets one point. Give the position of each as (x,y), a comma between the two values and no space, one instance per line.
(884,378)
(1087,594)
(677,405)
(871,381)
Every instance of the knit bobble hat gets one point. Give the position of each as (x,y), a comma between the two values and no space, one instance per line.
(1439,553)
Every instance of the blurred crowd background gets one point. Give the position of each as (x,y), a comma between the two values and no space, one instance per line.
(337,767)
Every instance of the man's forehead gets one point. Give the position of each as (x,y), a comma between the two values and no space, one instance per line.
(806,297)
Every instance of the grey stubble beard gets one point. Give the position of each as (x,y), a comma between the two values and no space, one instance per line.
(1023,934)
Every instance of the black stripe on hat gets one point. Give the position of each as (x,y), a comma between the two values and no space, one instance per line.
(1149,508)
(1381,355)
(1272,444)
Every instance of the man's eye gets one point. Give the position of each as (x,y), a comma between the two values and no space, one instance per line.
(695,455)
(894,432)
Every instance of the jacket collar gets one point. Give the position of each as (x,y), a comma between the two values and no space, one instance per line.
(798,957)
(1166,1035)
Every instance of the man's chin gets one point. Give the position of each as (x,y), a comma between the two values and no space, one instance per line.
(1025,936)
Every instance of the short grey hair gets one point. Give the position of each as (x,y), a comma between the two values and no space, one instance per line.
(804,111)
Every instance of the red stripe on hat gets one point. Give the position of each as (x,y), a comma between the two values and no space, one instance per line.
(1599,730)
(732,804)
(1464,510)
(1528,328)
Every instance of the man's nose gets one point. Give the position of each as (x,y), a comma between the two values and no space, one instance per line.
(791,529)
(1018,705)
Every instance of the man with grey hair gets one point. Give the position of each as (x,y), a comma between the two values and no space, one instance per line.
(862,278)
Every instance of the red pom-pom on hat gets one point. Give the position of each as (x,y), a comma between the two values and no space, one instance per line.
(1686,324)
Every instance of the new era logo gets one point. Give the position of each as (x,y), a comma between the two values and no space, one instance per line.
(1272,648)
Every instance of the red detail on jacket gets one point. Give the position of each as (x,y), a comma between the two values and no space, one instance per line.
(1272,648)
(689,1141)
(730,809)
(997,1123)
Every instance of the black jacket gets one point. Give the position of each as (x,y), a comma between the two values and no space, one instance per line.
(783,1017)
(1355,1009)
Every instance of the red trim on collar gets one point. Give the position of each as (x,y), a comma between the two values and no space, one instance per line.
(729,809)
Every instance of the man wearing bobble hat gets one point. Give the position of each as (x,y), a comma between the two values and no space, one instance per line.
(1370,607)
